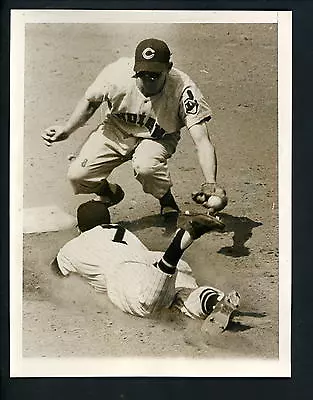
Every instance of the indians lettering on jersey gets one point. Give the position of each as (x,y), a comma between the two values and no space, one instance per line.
(150,123)
(179,104)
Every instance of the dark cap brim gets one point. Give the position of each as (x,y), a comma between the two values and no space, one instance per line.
(150,66)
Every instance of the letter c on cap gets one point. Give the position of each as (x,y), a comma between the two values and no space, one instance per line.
(148,53)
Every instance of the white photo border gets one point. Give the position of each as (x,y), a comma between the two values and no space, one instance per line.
(22,367)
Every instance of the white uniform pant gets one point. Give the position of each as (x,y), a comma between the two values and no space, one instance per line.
(121,268)
(108,147)
(125,270)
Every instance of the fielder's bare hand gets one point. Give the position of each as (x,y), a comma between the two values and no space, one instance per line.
(53,134)
(211,197)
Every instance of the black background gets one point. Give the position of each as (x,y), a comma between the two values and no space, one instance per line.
(300,385)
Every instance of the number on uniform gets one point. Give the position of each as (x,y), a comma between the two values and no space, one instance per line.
(119,234)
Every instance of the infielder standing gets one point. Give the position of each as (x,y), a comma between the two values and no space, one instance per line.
(138,281)
(146,103)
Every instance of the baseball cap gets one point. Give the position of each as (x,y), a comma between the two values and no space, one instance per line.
(91,214)
(152,55)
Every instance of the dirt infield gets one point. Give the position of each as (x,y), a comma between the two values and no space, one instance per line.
(235,65)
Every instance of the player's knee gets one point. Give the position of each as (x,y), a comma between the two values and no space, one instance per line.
(144,169)
(76,173)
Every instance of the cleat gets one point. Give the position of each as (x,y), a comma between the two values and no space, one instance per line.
(169,207)
(222,313)
(168,212)
(198,224)
(111,195)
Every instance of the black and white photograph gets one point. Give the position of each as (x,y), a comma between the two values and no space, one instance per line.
(150,193)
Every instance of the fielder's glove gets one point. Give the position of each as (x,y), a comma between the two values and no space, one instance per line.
(211,197)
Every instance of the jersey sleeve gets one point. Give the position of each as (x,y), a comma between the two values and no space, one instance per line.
(98,89)
(193,107)
(106,81)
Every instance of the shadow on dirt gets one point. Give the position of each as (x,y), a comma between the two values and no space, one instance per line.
(240,323)
(242,229)
(251,314)
(238,327)
(169,224)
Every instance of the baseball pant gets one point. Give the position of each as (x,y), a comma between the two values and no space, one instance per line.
(125,269)
(121,268)
(108,147)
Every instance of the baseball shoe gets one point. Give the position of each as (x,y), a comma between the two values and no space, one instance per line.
(110,194)
(169,207)
(222,313)
(198,224)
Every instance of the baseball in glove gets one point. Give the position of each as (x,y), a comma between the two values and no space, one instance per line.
(211,197)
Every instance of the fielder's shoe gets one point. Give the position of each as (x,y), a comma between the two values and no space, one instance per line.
(198,224)
(169,207)
(222,313)
(110,194)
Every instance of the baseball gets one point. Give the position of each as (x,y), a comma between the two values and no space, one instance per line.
(214,202)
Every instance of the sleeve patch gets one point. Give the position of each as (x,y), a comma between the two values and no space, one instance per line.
(191,105)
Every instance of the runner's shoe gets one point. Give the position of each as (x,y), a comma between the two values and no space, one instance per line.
(222,313)
(198,224)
